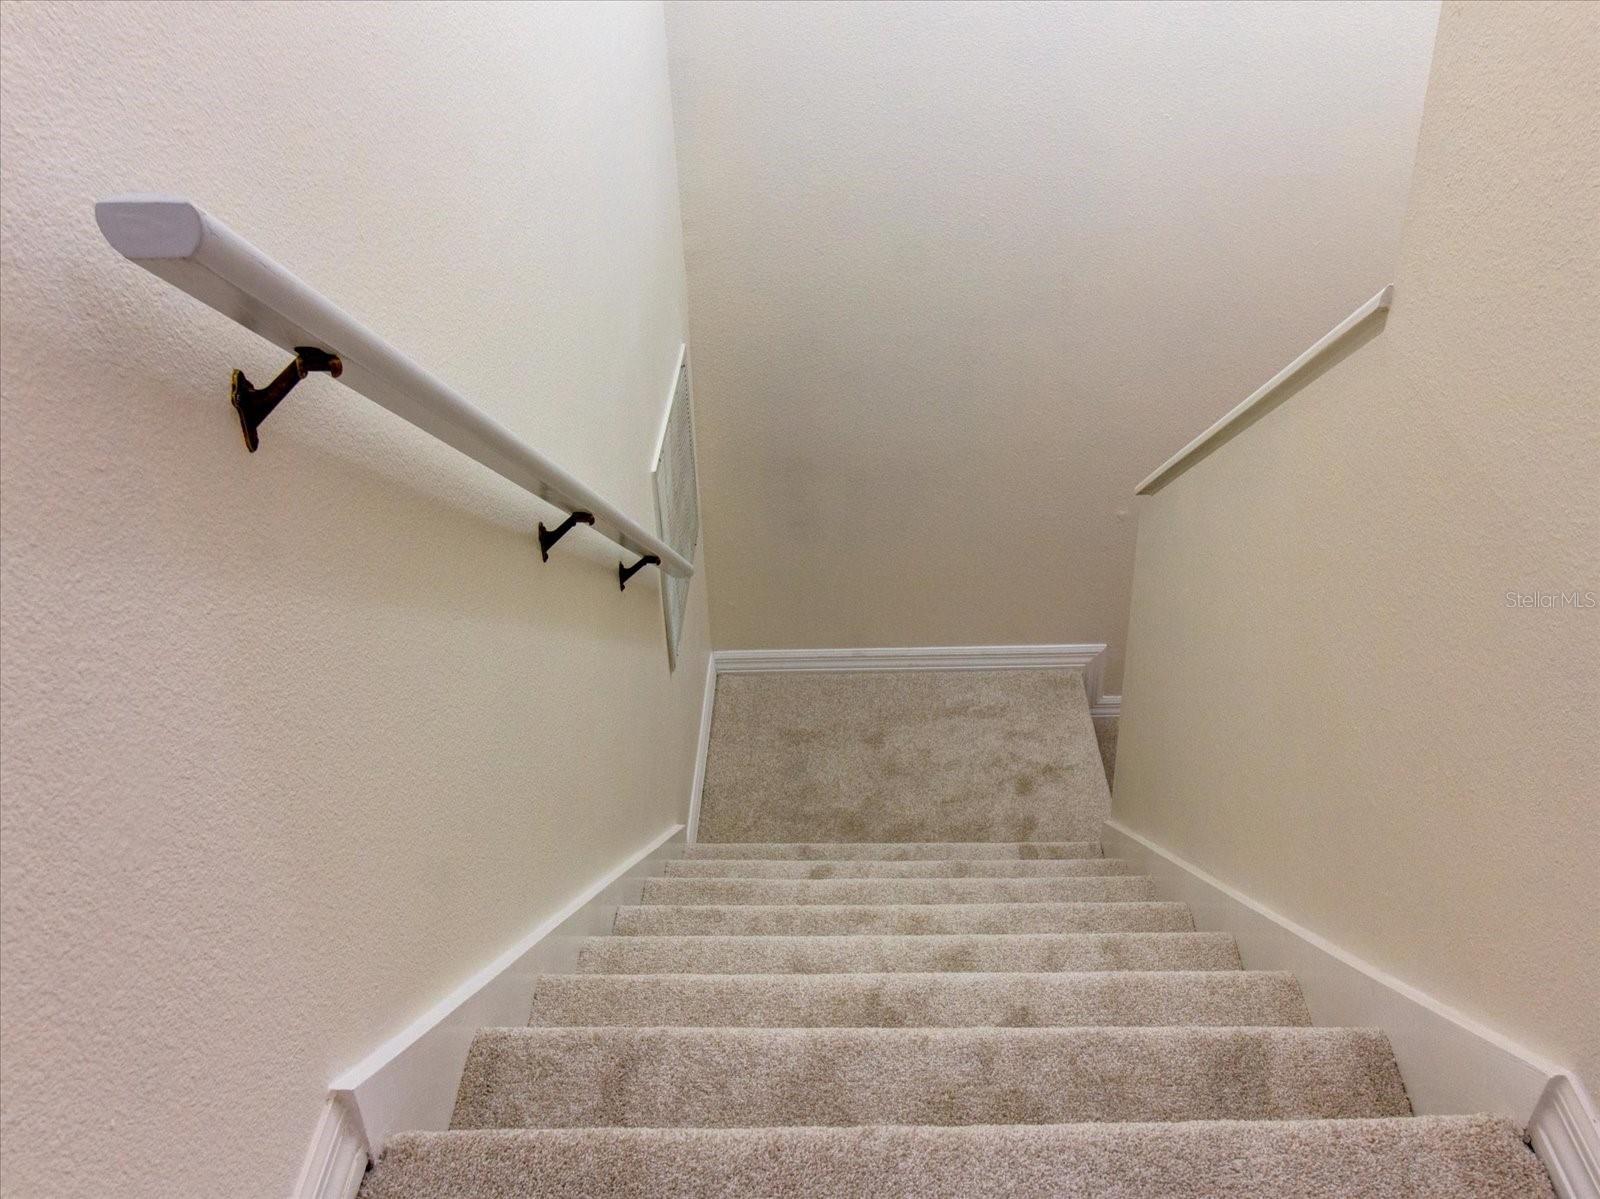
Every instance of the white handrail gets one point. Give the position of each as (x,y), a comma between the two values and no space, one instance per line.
(1238,413)
(197,253)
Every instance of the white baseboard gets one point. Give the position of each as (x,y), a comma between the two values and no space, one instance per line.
(1088,657)
(928,657)
(409,1082)
(1451,1063)
(1107,706)
(337,1159)
(702,747)
(1566,1135)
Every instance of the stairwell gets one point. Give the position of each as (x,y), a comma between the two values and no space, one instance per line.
(897,964)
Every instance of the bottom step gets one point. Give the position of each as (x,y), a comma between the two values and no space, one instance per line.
(1406,1158)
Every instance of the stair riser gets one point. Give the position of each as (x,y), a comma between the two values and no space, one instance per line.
(920,1000)
(908,919)
(1426,1158)
(878,891)
(997,868)
(858,955)
(896,851)
(721,1079)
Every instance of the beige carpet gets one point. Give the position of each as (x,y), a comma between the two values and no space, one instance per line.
(994,953)
(982,868)
(880,892)
(739,1078)
(1005,755)
(914,851)
(1402,1158)
(951,1000)
(806,1006)
(799,920)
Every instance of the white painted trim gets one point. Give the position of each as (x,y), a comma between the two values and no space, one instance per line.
(927,657)
(1180,460)
(1566,1136)
(337,1159)
(1451,1063)
(1107,706)
(702,748)
(409,1082)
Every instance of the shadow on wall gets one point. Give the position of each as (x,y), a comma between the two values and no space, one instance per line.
(479,556)
(1105,732)
(453,537)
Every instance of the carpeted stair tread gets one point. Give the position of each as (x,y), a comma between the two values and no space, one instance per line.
(896,965)
(948,868)
(760,1077)
(992,953)
(1432,1157)
(892,851)
(1113,998)
(1002,755)
(896,890)
(838,919)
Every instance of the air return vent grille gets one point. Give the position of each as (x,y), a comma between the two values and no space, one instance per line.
(677,501)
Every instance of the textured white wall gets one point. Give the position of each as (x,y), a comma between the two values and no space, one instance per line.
(293,743)
(960,274)
(1330,703)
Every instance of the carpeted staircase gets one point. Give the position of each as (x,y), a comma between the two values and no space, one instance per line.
(932,1015)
